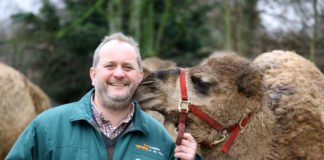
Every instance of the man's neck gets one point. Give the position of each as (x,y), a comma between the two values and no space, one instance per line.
(115,117)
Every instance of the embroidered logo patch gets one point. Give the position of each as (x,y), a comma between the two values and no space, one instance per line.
(149,148)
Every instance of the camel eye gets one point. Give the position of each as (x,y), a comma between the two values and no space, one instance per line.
(201,86)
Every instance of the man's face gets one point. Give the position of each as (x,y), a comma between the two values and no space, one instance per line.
(116,75)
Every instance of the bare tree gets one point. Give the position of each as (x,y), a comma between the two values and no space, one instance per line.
(314,36)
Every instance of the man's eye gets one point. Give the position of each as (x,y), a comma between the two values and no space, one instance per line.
(109,66)
(128,68)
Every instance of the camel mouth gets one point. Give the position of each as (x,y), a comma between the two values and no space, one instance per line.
(149,101)
(170,117)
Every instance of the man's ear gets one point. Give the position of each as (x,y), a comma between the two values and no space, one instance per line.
(141,76)
(92,74)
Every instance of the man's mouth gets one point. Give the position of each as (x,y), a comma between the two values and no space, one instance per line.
(118,84)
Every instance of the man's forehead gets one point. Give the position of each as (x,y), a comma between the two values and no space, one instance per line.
(114,43)
(116,51)
(121,58)
(123,62)
(118,47)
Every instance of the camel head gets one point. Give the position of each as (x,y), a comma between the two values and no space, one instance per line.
(226,88)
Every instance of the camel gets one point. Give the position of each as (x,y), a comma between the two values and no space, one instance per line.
(20,102)
(216,54)
(152,64)
(269,108)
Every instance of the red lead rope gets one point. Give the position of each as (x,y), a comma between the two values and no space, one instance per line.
(181,126)
(183,112)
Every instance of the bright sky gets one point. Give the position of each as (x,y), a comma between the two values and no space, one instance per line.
(9,7)
(284,17)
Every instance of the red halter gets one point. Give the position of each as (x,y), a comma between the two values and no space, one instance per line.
(185,106)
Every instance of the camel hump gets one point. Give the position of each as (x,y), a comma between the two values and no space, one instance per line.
(40,99)
(20,101)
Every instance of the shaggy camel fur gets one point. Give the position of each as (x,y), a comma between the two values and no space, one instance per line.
(216,54)
(153,64)
(280,91)
(20,102)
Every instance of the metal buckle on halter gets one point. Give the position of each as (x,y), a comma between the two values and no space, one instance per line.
(184,104)
(241,126)
(222,138)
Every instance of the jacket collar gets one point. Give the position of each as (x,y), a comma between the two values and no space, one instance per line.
(140,123)
(83,108)
(83,111)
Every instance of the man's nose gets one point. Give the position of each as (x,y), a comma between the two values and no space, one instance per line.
(119,72)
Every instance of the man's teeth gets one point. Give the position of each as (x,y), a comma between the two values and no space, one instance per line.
(118,84)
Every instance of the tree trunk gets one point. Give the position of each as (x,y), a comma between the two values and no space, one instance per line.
(314,37)
(148,31)
(115,16)
(134,26)
(163,22)
(228,26)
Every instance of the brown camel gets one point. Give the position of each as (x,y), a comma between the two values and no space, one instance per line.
(276,103)
(20,102)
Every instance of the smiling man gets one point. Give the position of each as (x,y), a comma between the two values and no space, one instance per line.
(116,75)
(106,123)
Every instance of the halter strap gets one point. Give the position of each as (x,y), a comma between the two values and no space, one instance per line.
(185,106)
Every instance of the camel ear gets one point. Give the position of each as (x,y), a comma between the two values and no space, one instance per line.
(250,82)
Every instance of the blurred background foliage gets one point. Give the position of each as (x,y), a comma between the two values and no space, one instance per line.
(54,47)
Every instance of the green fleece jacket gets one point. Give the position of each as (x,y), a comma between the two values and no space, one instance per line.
(68,132)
